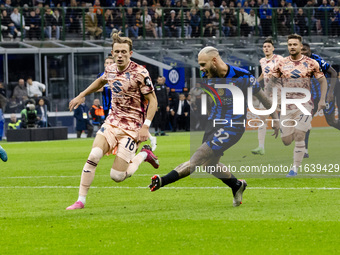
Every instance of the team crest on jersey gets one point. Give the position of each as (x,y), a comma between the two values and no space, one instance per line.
(305,64)
(127,76)
(220,92)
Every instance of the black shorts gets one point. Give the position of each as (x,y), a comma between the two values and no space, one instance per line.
(220,138)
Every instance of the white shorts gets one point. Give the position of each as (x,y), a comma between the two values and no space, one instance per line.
(295,119)
(121,141)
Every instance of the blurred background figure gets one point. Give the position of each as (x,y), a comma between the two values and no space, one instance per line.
(20,92)
(15,123)
(34,22)
(160,118)
(91,23)
(3,98)
(83,120)
(42,113)
(106,91)
(19,22)
(180,111)
(97,115)
(35,89)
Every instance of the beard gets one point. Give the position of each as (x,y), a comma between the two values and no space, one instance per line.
(295,53)
(213,72)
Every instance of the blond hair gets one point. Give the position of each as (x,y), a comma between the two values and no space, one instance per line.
(117,39)
(209,50)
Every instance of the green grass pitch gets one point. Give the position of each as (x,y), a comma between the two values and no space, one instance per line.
(191,216)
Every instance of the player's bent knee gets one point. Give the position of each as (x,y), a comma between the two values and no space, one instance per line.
(287,142)
(96,154)
(299,136)
(117,176)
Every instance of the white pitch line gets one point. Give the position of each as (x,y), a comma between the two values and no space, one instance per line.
(150,175)
(60,176)
(37,177)
(184,188)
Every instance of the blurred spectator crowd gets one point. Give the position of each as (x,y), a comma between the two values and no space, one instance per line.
(97,19)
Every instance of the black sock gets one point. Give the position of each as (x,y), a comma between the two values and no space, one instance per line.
(232,182)
(307,138)
(170,178)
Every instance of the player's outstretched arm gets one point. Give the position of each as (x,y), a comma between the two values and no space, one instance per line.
(333,74)
(152,108)
(323,87)
(267,103)
(97,84)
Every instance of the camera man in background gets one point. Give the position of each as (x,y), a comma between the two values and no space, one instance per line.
(29,115)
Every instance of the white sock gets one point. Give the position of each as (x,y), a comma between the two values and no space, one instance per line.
(135,162)
(82,199)
(153,142)
(143,154)
(262,136)
(89,170)
(306,151)
(299,152)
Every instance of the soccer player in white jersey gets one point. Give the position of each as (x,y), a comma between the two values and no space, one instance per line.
(106,97)
(133,107)
(267,64)
(296,72)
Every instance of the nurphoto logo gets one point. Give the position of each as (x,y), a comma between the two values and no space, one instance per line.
(238,103)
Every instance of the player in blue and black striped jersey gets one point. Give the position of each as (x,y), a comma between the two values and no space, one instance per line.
(218,138)
(106,91)
(331,76)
